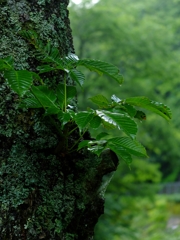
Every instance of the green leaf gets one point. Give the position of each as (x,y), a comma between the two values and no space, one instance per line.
(47,53)
(95,122)
(71,60)
(30,102)
(77,76)
(119,120)
(100,100)
(36,77)
(93,146)
(107,125)
(83,144)
(148,104)
(102,68)
(131,145)
(29,34)
(51,111)
(19,81)
(45,68)
(121,152)
(140,115)
(64,117)
(97,146)
(60,94)
(83,119)
(50,54)
(130,110)
(71,112)
(115,99)
(45,96)
(119,110)
(71,92)
(97,149)
(6,63)
(101,135)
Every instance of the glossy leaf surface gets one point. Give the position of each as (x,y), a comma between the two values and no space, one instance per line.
(120,121)
(131,145)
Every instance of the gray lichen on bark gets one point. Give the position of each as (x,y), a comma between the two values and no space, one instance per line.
(43,194)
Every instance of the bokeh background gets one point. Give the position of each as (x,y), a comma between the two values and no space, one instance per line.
(142,38)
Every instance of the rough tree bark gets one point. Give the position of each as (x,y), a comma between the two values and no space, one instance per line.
(44,193)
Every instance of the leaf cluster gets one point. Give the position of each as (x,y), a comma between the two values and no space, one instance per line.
(116,113)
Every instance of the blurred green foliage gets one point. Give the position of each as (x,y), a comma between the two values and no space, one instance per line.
(132,209)
(141,38)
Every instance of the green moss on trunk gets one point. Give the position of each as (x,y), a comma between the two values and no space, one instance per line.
(43,194)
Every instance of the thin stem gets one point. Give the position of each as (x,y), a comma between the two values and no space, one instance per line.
(72,130)
(71,151)
(77,140)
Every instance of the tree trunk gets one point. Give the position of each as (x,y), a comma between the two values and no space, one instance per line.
(44,193)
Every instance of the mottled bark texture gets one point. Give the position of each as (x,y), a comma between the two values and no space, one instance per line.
(44,194)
